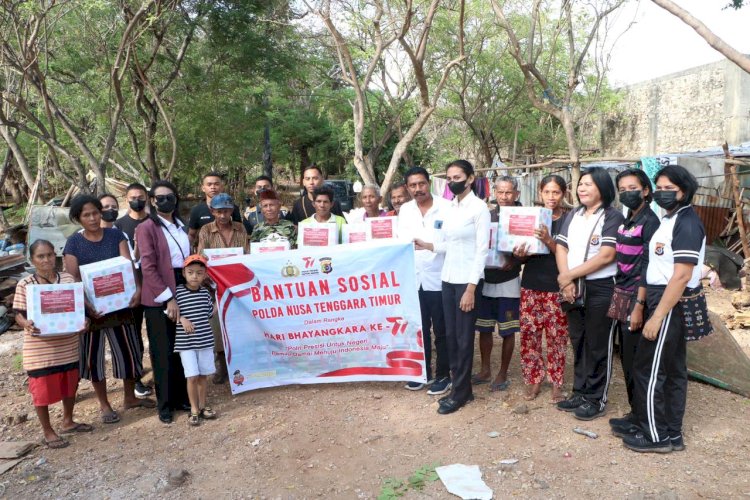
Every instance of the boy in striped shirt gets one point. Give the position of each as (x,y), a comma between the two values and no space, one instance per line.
(194,340)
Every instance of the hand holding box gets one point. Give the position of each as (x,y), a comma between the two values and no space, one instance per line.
(109,284)
(56,309)
(516,227)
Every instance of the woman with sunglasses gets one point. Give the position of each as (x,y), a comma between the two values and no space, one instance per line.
(164,245)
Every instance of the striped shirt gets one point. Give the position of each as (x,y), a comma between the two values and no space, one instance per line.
(198,307)
(633,236)
(44,352)
(210,237)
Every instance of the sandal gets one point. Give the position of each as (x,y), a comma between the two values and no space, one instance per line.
(475,380)
(207,413)
(194,419)
(500,386)
(110,418)
(143,403)
(78,427)
(56,444)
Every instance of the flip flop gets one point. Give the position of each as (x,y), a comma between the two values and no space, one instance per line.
(475,380)
(110,418)
(79,427)
(143,403)
(56,444)
(499,387)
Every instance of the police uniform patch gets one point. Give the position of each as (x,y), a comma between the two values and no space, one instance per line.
(594,239)
(659,249)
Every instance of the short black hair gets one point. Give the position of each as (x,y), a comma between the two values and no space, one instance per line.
(417,171)
(138,186)
(643,180)
(40,243)
(680,177)
(312,167)
(556,179)
(325,191)
(464,165)
(107,195)
(263,178)
(603,183)
(206,176)
(77,204)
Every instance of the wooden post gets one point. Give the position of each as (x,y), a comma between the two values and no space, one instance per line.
(738,210)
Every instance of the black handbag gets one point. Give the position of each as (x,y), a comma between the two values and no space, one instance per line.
(695,320)
(580,298)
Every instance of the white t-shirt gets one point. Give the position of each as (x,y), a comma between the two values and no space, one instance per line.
(596,231)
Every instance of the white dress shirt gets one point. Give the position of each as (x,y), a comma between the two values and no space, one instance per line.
(464,238)
(412,224)
(179,249)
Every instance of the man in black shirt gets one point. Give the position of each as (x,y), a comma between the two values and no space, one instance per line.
(137,197)
(312,178)
(211,185)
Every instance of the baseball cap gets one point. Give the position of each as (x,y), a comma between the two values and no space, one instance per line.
(193,259)
(222,200)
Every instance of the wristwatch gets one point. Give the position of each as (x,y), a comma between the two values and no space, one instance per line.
(641,302)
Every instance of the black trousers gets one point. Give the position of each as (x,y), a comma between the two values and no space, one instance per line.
(459,335)
(431,308)
(660,375)
(169,376)
(628,345)
(592,335)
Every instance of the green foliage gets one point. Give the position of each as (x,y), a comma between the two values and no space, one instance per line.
(18,363)
(395,488)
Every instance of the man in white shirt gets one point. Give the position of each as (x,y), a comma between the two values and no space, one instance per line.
(421,218)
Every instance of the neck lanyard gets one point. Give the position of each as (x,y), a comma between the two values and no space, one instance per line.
(179,247)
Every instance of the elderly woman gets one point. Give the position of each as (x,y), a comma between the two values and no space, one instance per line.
(164,246)
(50,362)
(95,244)
(370,198)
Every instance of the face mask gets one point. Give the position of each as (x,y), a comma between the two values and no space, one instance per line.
(457,187)
(666,199)
(631,199)
(109,215)
(166,203)
(137,205)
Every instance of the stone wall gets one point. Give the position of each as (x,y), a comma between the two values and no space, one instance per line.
(694,109)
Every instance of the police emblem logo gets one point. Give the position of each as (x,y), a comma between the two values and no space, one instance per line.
(326,265)
(659,249)
(290,271)
(595,239)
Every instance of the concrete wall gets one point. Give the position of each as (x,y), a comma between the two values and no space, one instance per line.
(694,109)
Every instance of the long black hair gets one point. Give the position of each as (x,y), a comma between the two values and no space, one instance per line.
(680,177)
(643,180)
(603,183)
(557,180)
(152,213)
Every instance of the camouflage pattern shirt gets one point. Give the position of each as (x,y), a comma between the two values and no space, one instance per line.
(283,228)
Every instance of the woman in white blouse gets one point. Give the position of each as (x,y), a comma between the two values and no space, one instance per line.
(463,236)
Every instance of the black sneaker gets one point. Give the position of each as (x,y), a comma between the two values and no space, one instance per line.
(440,386)
(446,398)
(590,411)
(625,429)
(677,443)
(571,403)
(640,443)
(624,421)
(142,390)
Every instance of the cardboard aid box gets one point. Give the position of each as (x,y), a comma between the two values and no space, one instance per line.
(355,233)
(494,257)
(56,309)
(109,284)
(382,227)
(222,253)
(315,234)
(270,245)
(516,226)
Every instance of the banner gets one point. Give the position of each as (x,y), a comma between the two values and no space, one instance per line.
(320,315)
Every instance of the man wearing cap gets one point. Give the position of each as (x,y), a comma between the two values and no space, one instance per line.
(272,225)
(223,232)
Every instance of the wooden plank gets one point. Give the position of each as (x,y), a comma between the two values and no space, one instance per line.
(15,449)
(6,465)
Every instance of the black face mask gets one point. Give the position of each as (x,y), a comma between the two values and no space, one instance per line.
(457,187)
(137,205)
(109,215)
(631,199)
(666,199)
(166,203)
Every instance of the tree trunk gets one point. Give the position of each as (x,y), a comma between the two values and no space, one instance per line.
(10,138)
(709,36)
(573,149)
(267,163)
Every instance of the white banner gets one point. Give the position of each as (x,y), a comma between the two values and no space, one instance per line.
(320,315)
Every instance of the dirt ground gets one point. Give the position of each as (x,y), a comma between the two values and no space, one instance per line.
(352,440)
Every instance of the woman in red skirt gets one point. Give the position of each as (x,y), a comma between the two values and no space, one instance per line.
(50,362)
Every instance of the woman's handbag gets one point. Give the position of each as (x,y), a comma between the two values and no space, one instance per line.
(580,298)
(621,305)
(695,320)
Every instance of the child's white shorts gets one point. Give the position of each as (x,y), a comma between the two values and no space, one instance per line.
(198,362)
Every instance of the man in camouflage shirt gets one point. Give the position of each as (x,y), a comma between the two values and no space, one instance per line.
(273,226)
